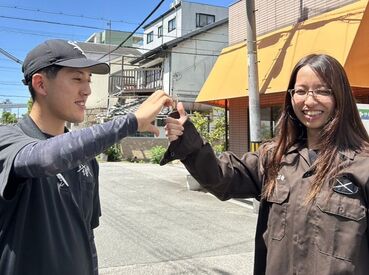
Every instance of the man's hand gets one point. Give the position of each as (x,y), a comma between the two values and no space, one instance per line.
(149,109)
(174,127)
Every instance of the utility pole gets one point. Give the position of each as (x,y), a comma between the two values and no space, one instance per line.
(253,79)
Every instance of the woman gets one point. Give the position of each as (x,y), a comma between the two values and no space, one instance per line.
(312,178)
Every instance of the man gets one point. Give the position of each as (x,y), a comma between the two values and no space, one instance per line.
(49,198)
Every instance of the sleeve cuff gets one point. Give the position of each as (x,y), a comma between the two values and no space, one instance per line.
(185,145)
(132,123)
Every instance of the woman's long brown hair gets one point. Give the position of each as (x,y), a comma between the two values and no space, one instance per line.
(344,132)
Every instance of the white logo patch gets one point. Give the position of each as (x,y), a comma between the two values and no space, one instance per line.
(85,170)
(75,46)
(280,177)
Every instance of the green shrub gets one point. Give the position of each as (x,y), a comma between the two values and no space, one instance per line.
(211,127)
(157,153)
(113,153)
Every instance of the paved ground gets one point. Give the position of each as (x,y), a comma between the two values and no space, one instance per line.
(152,224)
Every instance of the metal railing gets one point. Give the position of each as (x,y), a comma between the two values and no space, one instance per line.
(142,81)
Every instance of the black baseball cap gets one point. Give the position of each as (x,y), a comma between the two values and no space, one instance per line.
(62,53)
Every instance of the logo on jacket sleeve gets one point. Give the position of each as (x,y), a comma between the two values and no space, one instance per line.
(344,185)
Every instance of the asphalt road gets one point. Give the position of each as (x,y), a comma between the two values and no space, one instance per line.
(151,224)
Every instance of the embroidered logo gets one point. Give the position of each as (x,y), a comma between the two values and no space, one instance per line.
(280,177)
(75,46)
(62,180)
(85,169)
(344,185)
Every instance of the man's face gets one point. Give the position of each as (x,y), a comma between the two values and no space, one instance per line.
(67,94)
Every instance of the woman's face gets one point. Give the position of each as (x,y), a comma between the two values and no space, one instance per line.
(312,101)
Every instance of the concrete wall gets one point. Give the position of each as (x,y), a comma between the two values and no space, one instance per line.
(167,36)
(192,61)
(189,10)
(100,86)
(185,15)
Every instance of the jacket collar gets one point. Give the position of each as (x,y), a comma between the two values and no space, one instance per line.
(298,148)
(30,128)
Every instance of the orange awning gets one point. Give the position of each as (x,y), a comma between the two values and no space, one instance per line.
(342,33)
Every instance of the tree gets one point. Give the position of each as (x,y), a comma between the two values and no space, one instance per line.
(211,127)
(8,118)
(29,105)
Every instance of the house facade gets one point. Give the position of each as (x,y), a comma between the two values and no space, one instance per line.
(286,31)
(99,100)
(183,64)
(114,37)
(182,18)
(180,65)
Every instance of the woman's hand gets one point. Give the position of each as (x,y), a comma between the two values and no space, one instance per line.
(174,127)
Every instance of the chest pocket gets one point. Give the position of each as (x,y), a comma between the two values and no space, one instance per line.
(277,220)
(341,224)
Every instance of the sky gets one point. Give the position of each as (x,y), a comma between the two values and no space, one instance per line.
(67,19)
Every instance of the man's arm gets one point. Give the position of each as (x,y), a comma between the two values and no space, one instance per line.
(63,152)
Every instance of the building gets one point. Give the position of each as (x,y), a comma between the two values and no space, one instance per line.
(286,31)
(182,18)
(183,64)
(113,37)
(176,60)
(99,100)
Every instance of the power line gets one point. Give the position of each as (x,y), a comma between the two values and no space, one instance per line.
(10,56)
(10,83)
(14,96)
(38,33)
(70,15)
(9,68)
(79,16)
(51,22)
(57,34)
(129,36)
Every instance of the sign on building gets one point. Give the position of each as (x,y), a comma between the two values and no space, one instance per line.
(364,114)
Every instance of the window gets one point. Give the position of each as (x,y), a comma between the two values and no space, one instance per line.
(150,37)
(160,31)
(153,77)
(269,117)
(204,19)
(172,24)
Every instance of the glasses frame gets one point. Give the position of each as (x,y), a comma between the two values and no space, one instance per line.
(312,92)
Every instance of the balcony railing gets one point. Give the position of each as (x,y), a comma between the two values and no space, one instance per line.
(136,82)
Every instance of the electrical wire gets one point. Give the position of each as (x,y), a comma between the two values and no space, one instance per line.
(66,14)
(51,22)
(129,36)
(106,20)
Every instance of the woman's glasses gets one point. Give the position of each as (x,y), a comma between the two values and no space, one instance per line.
(320,93)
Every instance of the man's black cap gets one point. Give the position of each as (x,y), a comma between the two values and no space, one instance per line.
(62,53)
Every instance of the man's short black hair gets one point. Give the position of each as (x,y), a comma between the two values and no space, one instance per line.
(50,73)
